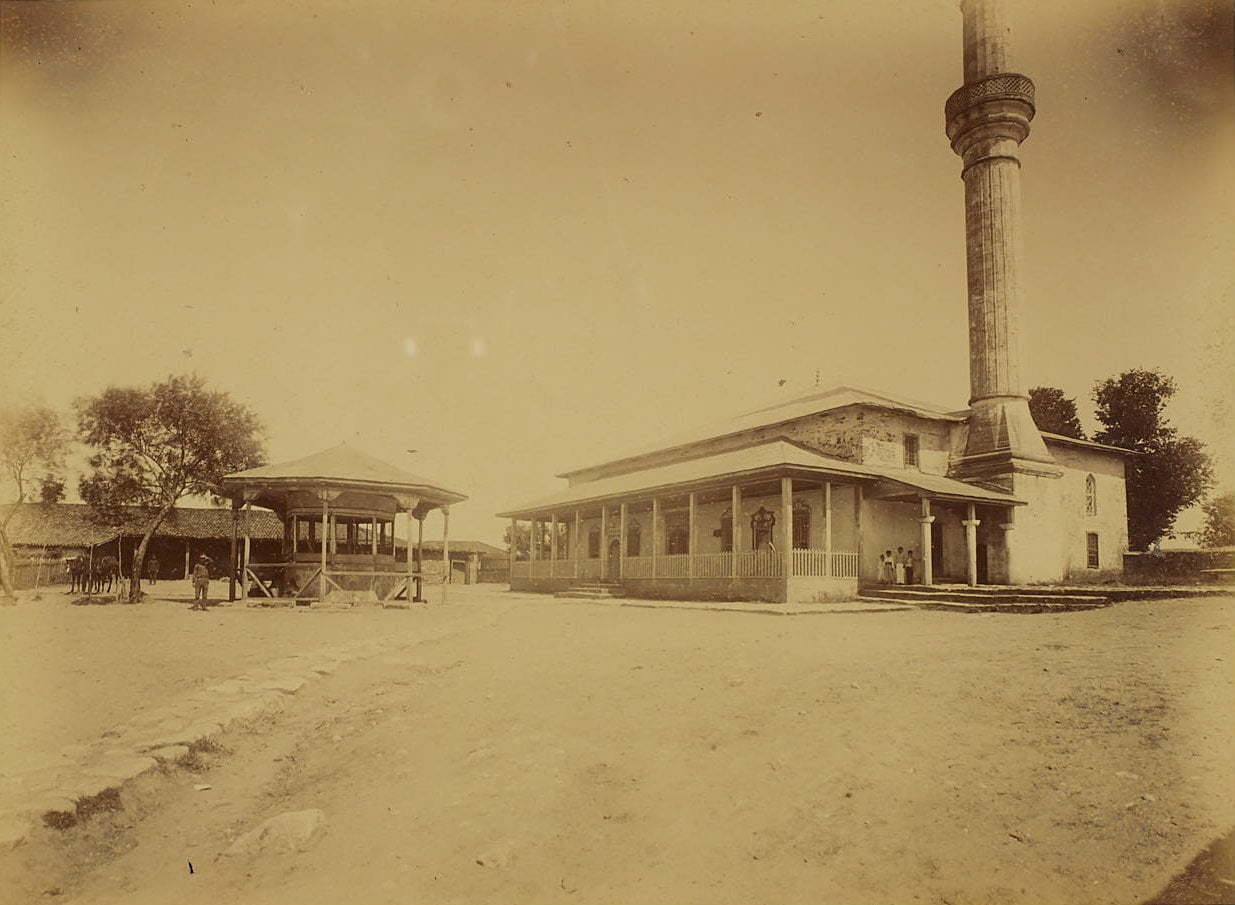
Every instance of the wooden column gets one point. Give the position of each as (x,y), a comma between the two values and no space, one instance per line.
(827,528)
(1007,526)
(604,542)
(420,546)
(622,542)
(735,528)
(928,566)
(690,535)
(245,552)
(531,545)
(574,545)
(786,534)
(514,546)
(374,538)
(186,558)
(655,533)
(445,548)
(857,525)
(411,563)
(321,584)
(971,544)
(233,563)
(552,544)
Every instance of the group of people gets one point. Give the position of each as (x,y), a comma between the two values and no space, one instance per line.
(898,567)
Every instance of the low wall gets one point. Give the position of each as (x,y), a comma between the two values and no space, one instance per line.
(768,590)
(1178,566)
(804,589)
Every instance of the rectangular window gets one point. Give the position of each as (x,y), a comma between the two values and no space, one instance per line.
(364,536)
(385,537)
(911,450)
(1091,550)
(306,535)
(342,535)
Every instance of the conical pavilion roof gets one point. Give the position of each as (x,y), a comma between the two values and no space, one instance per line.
(342,466)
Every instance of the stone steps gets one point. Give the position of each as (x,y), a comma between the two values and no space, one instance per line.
(992,600)
(592,590)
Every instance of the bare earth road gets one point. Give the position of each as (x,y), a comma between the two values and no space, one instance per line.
(554,751)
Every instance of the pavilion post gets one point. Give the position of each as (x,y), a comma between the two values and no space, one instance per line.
(233,564)
(655,532)
(928,564)
(552,544)
(420,543)
(531,546)
(827,528)
(735,528)
(186,559)
(690,535)
(321,584)
(604,543)
(622,542)
(786,514)
(445,549)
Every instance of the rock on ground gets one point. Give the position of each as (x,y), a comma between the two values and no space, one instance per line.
(289,832)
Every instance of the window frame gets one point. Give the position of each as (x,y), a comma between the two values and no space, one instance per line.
(1093,550)
(911,450)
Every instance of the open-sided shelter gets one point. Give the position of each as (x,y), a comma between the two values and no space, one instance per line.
(338,509)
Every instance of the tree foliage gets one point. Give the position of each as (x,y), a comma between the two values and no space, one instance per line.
(1171,472)
(1054,412)
(156,445)
(33,443)
(1219,530)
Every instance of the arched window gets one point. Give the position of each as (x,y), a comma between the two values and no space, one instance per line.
(1091,496)
(633,536)
(761,525)
(801,525)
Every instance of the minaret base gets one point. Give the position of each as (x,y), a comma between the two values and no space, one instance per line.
(1003,439)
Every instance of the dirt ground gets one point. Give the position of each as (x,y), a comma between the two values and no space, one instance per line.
(556,751)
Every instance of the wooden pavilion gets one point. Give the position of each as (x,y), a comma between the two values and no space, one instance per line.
(338,509)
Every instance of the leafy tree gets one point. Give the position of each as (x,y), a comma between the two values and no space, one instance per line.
(1171,472)
(32,439)
(51,489)
(1219,528)
(1054,412)
(158,444)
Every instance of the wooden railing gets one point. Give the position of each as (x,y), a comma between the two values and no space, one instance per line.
(761,564)
(637,567)
(675,566)
(750,564)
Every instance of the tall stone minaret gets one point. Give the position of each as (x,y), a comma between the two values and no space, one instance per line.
(987,119)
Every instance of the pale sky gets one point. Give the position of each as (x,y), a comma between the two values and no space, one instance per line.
(518,237)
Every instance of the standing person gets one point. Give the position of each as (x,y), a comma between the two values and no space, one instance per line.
(152,569)
(909,566)
(201,583)
(885,567)
(898,564)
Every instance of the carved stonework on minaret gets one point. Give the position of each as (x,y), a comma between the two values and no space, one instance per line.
(987,119)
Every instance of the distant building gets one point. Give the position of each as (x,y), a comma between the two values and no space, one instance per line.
(46,533)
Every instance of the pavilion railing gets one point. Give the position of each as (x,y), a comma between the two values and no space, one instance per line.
(589,568)
(563,568)
(713,565)
(521,569)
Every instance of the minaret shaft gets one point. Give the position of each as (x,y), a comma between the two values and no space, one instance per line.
(987,119)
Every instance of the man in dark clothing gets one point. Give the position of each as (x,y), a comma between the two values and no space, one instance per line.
(152,569)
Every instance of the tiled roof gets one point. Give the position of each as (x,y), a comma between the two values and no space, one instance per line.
(758,457)
(342,464)
(73,525)
(785,410)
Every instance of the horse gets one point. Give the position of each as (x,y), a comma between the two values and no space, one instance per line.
(78,569)
(106,569)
